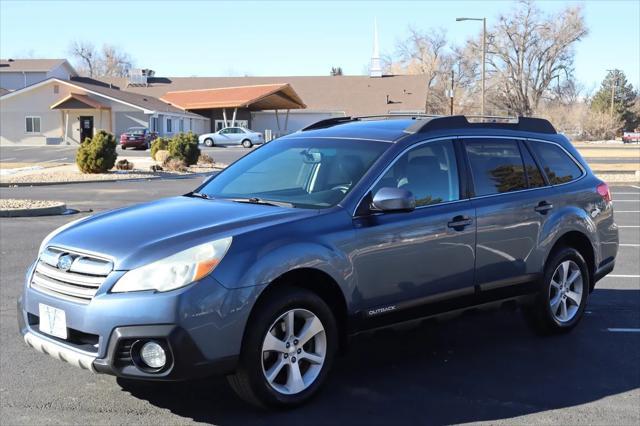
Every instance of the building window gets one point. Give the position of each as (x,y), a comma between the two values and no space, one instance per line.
(56,89)
(32,124)
(154,124)
(169,127)
(181,125)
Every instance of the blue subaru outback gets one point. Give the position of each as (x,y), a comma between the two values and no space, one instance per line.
(263,271)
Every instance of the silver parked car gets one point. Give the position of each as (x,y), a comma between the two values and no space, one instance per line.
(232,136)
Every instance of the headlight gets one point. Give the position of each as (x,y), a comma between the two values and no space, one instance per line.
(175,271)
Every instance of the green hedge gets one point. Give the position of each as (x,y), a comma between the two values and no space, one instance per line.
(159,144)
(184,146)
(98,154)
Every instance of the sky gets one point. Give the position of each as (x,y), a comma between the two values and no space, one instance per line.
(203,38)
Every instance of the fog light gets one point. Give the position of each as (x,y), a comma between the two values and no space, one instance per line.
(153,355)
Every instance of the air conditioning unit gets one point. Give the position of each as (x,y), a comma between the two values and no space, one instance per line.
(140,76)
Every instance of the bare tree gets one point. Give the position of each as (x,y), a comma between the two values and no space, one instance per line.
(527,51)
(85,54)
(425,53)
(114,63)
(108,62)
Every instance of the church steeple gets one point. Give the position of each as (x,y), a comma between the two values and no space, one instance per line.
(376,67)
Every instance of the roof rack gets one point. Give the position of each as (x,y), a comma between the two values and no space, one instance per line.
(428,123)
(523,124)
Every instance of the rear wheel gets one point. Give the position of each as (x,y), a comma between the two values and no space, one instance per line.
(247,143)
(560,304)
(208,142)
(288,349)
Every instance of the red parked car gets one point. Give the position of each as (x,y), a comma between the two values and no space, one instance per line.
(137,137)
(629,137)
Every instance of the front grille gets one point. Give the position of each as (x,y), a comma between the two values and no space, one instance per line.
(70,275)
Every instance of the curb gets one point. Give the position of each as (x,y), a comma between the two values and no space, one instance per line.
(27,184)
(43,211)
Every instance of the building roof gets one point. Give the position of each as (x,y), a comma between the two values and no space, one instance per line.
(144,101)
(256,97)
(354,95)
(4,91)
(75,101)
(31,65)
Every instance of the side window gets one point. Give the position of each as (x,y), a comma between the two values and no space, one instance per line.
(429,171)
(496,166)
(559,167)
(534,176)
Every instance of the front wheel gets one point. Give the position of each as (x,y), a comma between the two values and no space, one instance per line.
(561,301)
(247,143)
(208,142)
(287,351)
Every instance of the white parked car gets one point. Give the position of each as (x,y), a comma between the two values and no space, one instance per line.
(232,136)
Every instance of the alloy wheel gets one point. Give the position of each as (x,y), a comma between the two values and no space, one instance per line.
(565,291)
(293,351)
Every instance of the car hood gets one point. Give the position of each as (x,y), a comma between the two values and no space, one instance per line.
(137,235)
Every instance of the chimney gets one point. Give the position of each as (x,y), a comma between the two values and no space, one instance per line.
(375,70)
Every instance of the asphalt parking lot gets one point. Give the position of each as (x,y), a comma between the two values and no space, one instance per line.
(478,368)
(67,154)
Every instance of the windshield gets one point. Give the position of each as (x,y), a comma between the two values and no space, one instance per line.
(307,173)
(134,131)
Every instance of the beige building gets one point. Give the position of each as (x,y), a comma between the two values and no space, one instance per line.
(56,111)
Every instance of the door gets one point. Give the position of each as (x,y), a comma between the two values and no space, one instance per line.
(86,127)
(224,137)
(511,208)
(407,260)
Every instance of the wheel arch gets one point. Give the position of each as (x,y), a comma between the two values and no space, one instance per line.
(581,242)
(318,282)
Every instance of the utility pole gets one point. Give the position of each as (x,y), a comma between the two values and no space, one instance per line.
(484,54)
(451,95)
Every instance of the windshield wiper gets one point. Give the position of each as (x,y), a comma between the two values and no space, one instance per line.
(198,195)
(256,200)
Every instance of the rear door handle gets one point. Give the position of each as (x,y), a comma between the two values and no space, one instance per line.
(543,207)
(459,222)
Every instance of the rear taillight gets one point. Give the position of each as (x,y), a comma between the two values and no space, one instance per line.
(603,190)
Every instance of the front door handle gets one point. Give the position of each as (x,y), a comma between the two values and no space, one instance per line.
(459,222)
(543,207)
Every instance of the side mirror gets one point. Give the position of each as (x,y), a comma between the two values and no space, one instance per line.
(393,200)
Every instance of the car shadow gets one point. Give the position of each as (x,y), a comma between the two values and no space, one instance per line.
(480,367)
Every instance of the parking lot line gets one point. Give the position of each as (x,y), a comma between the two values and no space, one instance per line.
(626,201)
(53,161)
(8,159)
(634,186)
(622,276)
(628,226)
(627,211)
(624,330)
(629,245)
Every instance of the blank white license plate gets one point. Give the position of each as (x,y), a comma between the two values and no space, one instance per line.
(53,321)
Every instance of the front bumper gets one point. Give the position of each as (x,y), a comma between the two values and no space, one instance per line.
(200,326)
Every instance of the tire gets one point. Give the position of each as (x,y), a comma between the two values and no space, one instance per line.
(247,143)
(270,317)
(123,147)
(208,142)
(547,315)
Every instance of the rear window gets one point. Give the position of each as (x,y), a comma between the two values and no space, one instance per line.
(496,166)
(559,167)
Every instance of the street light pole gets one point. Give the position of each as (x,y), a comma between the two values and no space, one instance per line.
(614,83)
(484,54)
